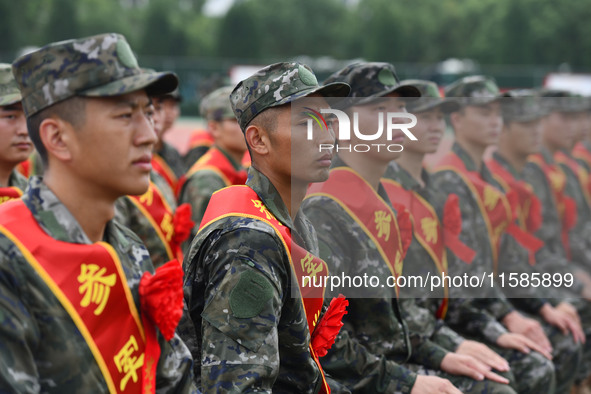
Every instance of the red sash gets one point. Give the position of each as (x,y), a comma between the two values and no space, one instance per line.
(241,200)
(171,227)
(369,210)
(565,205)
(580,151)
(9,193)
(427,229)
(492,203)
(214,160)
(161,167)
(89,282)
(580,172)
(525,206)
(200,138)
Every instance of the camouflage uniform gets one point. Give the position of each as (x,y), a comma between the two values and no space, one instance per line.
(17,180)
(266,348)
(201,184)
(474,91)
(41,347)
(10,94)
(172,157)
(397,329)
(198,189)
(129,215)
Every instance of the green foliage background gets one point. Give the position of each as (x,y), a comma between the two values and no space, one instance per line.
(517,41)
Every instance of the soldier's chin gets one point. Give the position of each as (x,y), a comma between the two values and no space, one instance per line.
(137,188)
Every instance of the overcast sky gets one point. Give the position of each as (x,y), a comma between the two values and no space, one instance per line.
(217,7)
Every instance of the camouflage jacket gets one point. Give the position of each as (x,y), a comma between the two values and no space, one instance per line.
(514,259)
(474,232)
(172,157)
(462,314)
(42,349)
(17,180)
(552,256)
(198,189)
(249,338)
(377,320)
(128,214)
(580,235)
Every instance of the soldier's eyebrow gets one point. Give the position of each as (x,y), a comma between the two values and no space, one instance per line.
(133,103)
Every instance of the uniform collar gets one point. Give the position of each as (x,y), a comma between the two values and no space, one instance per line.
(407,181)
(502,161)
(56,220)
(301,228)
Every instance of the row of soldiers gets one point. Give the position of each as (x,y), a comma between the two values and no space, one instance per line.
(79,245)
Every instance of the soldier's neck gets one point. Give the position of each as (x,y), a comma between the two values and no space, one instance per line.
(515,159)
(474,150)
(89,204)
(5,172)
(412,162)
(370,170)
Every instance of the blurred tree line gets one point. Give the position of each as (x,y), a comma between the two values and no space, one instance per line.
(175,34)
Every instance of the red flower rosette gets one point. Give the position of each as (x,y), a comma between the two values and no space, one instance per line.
(161,297)
(405,226)
(182,223)
(329,326)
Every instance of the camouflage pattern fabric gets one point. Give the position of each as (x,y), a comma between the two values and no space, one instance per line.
(475,235)
(266,348)
(580,235)
(17,180)
(397,330)
(172,157)
(216,105)
(101,65)
(41,349)
(552,256)
(275,85)
(128,215)
(473,90)
(198,189)
(9,92)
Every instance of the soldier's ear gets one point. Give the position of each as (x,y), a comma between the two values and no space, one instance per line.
(455,118)
(55,138)
(257,139)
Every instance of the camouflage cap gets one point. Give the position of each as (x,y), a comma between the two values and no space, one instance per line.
(9,93)
(430,98)
(555,100)
(369,81)
(216,105)
(97,66)
(275,85)
(523,106)
(474,90)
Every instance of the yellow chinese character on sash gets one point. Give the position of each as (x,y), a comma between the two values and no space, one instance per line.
(127,363)
(148,197)
(491,197)
(429,226)
(95,285)
(557,180)
(309,267)
(259,205)
(166,226)
(382,220)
